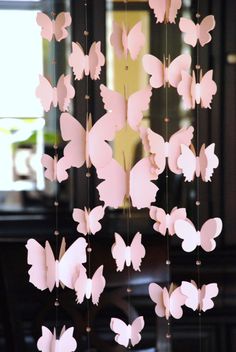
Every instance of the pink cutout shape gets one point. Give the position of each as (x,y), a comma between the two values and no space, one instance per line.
(135,184)
(126,111)
(164,73)
(192,238)
(127,333)
(168,303)
(202,165)
(165,10)
(88,219)
(89,288)
(200,93)
(194,32)
(125,42)
(46,271)
(199,298)
(61,94)
(90,64)
(49,343)
(55,27)
(128,255)
(55,170)
(165,222)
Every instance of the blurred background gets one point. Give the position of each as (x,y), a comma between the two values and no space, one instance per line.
(26,198)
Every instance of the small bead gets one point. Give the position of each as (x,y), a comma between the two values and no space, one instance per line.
(88,329)
(166,119)
(199,313)
(198,67)
(55,146)
(168,262)
(168,323)
(198,262)
(86,33)
(88,174)
(168,335)
(89,249)
(86,97)
(54,62)
(53,14)
(198,15)
(167,176)
(56,303)
(56,232)
(126,67)
(56,204)
(129,289)
(197,203)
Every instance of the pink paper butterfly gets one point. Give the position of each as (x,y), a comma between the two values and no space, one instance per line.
(88,220)
(87,145)
(90,64)
(61,94)
(199,298)
(46,271)
(134,184)
(165,222)
(194,32)
(202,165)
(127,333)
(168,303)
(192,238)
(155,144)
(165,10)
(128,255)
(55,170)
(166,72)
(122,110)
(49,343)
(55,27)
(89,287)
(200,93)
(125,43)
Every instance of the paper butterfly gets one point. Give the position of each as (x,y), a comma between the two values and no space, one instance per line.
(55,27)
(192,238)
(155,144)
(55,170)
(61,94)
(84,286)
(49,343)
(202,165)
(168,303)
(165,10)
(90,64)
(122,110)
(199,298)
(46,271)
(88,219)
(127,333)
(165,222)
(166,72)
(125,43)
(200,93)
(134,184)
(128,255)
(194,32)
(87,145)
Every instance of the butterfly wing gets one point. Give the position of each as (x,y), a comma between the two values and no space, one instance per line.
(51,266)
(103,130)
(159,8)
(207,293)
(208,24)
(186,231)
(208,88)
(160,218)
(115,103)
(79,216)
(121,330)
(37,259)
(175,5)
(116,40)
(187,163)
(67,343)
(113,189)
(156,295)
(189,28)
(210,230)
(71,261)
(45,93)
(96,60)
(157,147)
(95,215)
(118,251)
(177,300)
(80,284)
(46,25)
(98,284)
(154,67)
(179,64)
(136,327)
(63,20)
(185,88)
(77,60)
(45,341)
(211,164)
(142,190)
(138,102)
(190,290)
(65,92)
(176,214)
(49,163)
(135,40)
(137,251)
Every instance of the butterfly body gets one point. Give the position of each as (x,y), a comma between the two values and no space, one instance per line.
(164,223)
(127,333)
(53,27)
(55,170)
(49,343)
(88,219)
(165,10)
